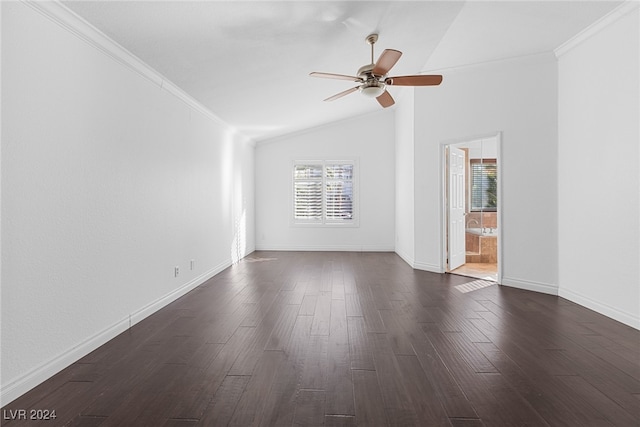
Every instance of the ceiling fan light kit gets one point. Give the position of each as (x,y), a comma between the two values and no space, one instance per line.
(373,90)
(373,77)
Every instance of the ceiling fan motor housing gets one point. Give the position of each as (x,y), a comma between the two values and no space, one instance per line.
(372,86)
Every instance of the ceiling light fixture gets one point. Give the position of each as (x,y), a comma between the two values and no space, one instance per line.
(373,90)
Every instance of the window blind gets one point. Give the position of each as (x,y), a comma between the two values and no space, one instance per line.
(484,185)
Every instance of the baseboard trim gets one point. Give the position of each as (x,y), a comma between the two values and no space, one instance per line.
(38,375)
(599,307)
(530,285)
(406,258)
(327,248)
(151,308)
(425,266)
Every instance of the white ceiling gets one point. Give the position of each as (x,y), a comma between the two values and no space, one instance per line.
(248,62)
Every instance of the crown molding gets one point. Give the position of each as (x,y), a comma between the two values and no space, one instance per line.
(533,57)
(78,26)
(605,21)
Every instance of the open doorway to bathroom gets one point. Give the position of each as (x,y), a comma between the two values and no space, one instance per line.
(471,207)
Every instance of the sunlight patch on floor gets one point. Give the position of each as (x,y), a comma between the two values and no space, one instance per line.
(258,259)
(474,286)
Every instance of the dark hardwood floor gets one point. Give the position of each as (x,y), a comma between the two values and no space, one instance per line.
(346,339)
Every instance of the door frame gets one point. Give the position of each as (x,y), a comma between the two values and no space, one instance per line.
(444,206)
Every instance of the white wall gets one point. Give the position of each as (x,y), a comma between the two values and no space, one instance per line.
(405,227)
(369,139)
(108,183)
(486,148)
(519,98)
(599,182)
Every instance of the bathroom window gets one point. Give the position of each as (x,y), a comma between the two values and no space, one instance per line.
(323,193)
(484,185)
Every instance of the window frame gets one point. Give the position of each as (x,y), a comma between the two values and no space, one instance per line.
(488,161)
(324,222)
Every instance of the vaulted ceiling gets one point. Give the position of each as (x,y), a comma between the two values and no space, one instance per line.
(249,61)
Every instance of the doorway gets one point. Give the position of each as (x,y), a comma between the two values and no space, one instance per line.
(472,237)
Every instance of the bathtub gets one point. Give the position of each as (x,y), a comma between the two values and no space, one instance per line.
(481,247)
(487,231)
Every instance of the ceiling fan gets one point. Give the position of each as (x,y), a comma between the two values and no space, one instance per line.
(373,80)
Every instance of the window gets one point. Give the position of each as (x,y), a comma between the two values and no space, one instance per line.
(307,190)
(323,192)
(484,185)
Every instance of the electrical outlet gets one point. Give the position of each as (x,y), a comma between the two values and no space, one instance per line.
(176,271)
(193,264)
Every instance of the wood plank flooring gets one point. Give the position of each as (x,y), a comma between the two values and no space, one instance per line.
(486,271)
(351,339)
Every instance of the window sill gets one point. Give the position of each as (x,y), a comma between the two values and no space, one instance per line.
(351,224)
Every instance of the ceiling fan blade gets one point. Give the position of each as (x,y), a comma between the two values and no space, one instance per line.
(386,61)
(386,100)
(343,93)
(422,80)
(336,76)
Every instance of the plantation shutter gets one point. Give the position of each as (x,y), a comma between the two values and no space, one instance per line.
(323,192)
(339,192)
(307,192)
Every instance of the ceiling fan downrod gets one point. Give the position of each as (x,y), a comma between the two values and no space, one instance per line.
(372,39)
